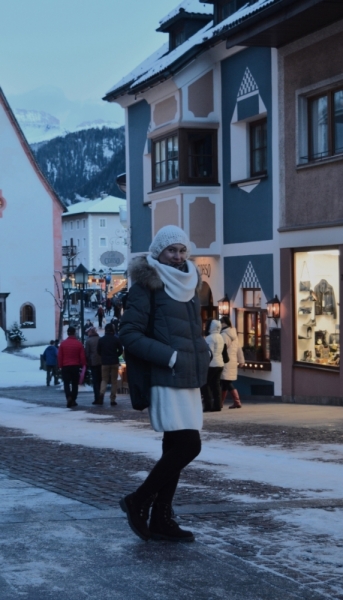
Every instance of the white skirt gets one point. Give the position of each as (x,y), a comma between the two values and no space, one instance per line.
(172,409)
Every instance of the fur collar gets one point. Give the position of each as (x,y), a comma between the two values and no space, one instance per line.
(141,272)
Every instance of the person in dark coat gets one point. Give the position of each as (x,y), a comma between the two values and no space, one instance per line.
(100,314)
(179,359)
(50,357)
(108,305)
(88,325)
(94,361)
(109,348)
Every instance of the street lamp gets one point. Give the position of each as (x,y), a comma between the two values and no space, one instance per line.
(273,309)
(81,280)
(224,306)
(67,284)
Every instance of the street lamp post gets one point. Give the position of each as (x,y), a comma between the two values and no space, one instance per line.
(67,285)
(81,280)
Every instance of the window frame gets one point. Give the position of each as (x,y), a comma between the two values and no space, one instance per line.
(185,178)
(329,93)
(252,125)
(177,36)
(100,222)
(24,322)
(103,245)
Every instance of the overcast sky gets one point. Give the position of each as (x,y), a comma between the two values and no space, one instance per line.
(81,46)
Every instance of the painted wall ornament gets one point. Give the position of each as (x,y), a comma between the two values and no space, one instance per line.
(249,106)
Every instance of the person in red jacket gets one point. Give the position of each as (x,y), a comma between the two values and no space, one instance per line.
(71,356)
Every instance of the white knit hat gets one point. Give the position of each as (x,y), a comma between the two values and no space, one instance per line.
(168,235)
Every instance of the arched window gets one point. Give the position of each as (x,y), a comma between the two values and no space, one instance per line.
(27,315)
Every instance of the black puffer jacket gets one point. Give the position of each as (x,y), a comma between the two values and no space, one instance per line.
(109,348)
(177,326)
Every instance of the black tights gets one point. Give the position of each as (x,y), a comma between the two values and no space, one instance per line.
(179,448)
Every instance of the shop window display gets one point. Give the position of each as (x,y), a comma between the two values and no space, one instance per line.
(317,303)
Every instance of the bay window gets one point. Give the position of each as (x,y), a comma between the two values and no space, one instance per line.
(185,157)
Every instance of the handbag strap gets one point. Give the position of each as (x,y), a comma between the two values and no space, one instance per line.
(304,272)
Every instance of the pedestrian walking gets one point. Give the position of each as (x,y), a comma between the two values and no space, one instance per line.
(108,306)
(109,348)
(94,361)
(164,294)
(94,300)
(88,325)
(50,357)
(100,314)
(115,322)
(211,391)
(71,356)
(230,370)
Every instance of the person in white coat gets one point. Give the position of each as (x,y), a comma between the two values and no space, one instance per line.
(211,391)
(230,370)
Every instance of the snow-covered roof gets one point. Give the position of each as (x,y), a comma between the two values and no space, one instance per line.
(162,60)
(143,67)
(161,64)
(190,7)
(110,204)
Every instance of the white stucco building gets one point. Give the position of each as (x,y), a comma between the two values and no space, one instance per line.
(96,229)
(30,237)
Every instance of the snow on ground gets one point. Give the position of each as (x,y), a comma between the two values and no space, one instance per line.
(16,370)
(299,469)
(268,465)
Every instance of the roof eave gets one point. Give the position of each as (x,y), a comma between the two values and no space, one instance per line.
(280,23)
(112,96)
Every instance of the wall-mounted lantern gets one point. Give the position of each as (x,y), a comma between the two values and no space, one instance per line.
(224,306)
(273,309)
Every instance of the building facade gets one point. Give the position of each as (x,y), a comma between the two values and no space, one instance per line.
(219,143)
(31,238)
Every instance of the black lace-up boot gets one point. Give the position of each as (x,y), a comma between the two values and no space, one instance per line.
(163,527)
(137,515)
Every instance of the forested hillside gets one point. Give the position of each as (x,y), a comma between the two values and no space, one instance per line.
(86,162)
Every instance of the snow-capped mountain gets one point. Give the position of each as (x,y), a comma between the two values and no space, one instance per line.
(38,125)
(46,113)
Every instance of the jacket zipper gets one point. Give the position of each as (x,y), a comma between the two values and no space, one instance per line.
(194,345)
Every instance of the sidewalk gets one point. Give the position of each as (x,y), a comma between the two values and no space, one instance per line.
(264,500)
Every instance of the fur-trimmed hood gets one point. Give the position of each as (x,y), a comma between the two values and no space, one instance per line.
(141,272)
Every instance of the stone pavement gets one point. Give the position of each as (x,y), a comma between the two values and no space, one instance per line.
(64,537)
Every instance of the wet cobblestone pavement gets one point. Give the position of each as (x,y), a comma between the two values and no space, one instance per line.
(266,533)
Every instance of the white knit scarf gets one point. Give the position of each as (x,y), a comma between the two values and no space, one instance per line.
(177,284)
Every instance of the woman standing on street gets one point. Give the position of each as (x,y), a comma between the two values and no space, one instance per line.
(211,391)
(166,283)
(230,370)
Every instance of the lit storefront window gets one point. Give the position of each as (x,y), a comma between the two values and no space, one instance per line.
(317,307)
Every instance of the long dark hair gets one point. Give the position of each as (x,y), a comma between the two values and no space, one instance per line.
(226,321)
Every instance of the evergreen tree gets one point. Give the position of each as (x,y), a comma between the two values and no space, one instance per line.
(16,335)
(86,162)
